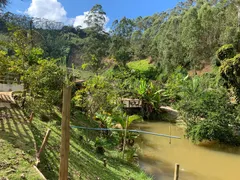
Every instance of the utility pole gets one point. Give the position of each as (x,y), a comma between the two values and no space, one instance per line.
(65,138)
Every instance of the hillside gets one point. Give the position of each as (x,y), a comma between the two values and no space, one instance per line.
(17,142)
(18,138)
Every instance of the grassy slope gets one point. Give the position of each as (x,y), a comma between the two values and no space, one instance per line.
(141,65)
(84,163)
(17,153)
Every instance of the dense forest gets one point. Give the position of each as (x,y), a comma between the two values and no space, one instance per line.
(186,58)
(187,36)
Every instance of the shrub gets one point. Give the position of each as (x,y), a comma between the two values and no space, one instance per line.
(99,94)
(226,52)
(175,83)
(208,112)
(230,71)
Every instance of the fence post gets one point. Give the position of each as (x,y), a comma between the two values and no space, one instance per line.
(65,137)
(176,172)
(170,133)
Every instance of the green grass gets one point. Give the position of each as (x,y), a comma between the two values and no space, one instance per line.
(18,147)
(17,151)
(141,65)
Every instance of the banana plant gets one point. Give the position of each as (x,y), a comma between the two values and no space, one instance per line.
(125,122)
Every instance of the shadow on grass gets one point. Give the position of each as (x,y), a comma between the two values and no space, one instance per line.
(49,157)
(15,131)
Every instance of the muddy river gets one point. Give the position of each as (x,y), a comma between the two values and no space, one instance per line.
(208,162)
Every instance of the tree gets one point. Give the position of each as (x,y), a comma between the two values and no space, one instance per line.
(191,36)
(44,80)
(3,4)
(94,48)
(121,35)
(96,18)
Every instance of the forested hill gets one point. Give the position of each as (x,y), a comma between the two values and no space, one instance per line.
(187,35)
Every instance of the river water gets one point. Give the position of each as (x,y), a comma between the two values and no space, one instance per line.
(205,162)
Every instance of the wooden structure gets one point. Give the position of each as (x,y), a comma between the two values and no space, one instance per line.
(6,99)
(131,103)
(44,143)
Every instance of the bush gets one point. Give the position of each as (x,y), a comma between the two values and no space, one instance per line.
(226,52)
(175,84)
(230,71)
(99,94)
(208,113)
(213,130)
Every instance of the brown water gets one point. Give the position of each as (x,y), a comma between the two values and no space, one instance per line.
(209,162)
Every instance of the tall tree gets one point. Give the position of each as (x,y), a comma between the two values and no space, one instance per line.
(191,36)
(96,18)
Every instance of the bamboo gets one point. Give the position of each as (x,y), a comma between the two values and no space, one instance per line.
(65,138)
(39,172)
(124,140)
(44,143)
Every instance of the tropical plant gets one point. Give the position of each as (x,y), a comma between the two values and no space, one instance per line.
(207,111)
(151,97)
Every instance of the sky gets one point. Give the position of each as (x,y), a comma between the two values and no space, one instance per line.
(73,12)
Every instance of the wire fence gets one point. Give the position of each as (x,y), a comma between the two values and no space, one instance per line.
(130,130)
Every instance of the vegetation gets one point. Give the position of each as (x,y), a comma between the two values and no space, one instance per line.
(187,38)
(142,65)
(18,155)
(17,146)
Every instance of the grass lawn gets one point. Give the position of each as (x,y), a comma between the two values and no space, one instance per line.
(17,153)
(141,65)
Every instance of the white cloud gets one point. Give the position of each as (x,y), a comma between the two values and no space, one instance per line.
(79,20)
(54,11)
(47,9)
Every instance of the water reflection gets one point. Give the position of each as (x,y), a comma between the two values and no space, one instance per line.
(202,162)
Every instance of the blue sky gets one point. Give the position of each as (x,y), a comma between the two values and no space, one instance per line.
(73,10)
